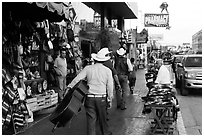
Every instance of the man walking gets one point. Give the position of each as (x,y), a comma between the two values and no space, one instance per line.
(118,89)
(123,66)
(60,66)
(100,81)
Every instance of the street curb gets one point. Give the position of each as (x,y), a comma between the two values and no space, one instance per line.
(180,125)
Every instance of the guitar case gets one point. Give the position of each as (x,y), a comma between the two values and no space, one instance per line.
(70,105)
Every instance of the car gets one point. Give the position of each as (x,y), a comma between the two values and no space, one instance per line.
(190,73)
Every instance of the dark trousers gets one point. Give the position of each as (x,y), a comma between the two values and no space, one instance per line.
(118,97)
(132,82)
(123,79)
(96,109)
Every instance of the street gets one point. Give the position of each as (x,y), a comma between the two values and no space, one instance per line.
(191,110)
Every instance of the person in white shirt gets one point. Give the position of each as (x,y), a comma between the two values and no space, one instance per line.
(100,81)
(60,66)
(163,76)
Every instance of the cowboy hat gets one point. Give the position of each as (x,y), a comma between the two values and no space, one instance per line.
(121,51)
(101,55)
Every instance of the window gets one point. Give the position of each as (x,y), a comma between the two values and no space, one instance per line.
(178,59)
(193,62)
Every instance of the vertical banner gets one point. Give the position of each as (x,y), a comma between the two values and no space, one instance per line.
(156,20)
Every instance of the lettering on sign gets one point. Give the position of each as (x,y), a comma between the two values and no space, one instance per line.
(156,20)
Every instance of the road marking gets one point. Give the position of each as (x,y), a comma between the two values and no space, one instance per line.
(180,125)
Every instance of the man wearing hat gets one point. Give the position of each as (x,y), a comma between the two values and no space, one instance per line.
(100,81)
(109,64)
(123,66)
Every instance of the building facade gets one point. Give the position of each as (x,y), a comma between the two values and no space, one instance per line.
(197,41)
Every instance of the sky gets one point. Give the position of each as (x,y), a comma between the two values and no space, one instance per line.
(186,18)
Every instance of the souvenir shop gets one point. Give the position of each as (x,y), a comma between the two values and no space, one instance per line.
(31,39)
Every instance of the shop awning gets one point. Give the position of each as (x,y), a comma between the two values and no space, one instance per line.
(38,11)
(127,10)
(62,8)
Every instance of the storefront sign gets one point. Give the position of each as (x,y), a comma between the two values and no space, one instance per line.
(142,37)
(156,20)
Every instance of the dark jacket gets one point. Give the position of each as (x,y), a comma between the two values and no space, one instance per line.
(121,65)
(109,64)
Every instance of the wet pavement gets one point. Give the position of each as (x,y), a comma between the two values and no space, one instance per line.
(121,122)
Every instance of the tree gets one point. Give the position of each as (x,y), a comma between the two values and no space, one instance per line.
(103,39)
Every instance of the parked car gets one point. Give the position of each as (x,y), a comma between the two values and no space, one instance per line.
(189,73)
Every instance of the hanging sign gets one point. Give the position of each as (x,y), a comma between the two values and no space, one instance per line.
(156,20)
(142,37)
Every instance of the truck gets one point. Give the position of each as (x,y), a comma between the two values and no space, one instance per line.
(189,73)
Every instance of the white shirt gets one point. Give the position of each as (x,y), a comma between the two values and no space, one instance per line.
(61,65)
(99,79)
(130,67)
(163,76)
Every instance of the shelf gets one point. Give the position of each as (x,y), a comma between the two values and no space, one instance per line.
(27,82)
(42,101)
(33,66)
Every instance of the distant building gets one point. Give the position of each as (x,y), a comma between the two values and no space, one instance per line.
(97,19)
(83,24)
(197,41)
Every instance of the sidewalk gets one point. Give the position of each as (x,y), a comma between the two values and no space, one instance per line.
(121,122)
(131,121)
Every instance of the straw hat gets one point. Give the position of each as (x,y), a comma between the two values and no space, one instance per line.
(121,51)
(101,55)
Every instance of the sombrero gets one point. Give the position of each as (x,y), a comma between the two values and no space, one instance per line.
(121,51)
(101,55)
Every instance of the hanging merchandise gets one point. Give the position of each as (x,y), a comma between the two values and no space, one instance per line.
(26,42)
(44,85)
(39,87)
(72,14)
(50,44)
(14,110)
(47,32)
(70,34)
(21,93)
(28,91)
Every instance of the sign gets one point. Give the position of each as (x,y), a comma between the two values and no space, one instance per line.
(142,37)
(130,35)
(156,20)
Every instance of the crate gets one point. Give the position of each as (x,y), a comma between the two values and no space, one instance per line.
(42,101)
(54,95)
(32,103)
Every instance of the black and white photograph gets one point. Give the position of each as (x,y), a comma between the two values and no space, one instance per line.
(101,67)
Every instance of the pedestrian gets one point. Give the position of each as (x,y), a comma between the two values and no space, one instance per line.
(117,86)
(60,66)
(123,66)
(100,81)
(164,75)
(132,76)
